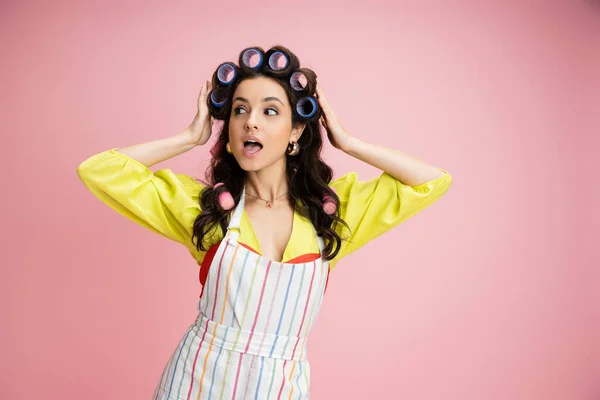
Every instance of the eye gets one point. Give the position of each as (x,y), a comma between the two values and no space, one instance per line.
(239,110)
(271,111)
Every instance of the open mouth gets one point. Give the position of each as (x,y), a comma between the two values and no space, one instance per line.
(252,147)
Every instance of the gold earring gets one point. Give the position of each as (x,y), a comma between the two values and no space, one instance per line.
(293,149)
(228,148)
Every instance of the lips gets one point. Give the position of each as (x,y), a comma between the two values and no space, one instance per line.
(252,147)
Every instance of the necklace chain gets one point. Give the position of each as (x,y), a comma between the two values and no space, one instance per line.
(269,203)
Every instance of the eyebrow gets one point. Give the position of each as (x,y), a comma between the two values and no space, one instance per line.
(242,99)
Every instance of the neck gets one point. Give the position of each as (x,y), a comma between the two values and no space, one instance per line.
(268,183)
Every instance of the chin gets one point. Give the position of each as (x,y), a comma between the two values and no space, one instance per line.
(256,164)
(250,165)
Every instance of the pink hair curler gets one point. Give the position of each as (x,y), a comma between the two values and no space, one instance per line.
(329,204)
(225,199)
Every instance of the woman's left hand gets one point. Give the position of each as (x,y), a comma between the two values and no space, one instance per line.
(335,131)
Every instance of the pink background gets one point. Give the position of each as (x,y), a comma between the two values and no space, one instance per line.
(492,293)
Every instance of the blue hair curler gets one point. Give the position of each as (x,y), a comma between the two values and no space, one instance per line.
(226,73)
(218,97)
(298,81)
(307,107)
(249,54)
(275,59)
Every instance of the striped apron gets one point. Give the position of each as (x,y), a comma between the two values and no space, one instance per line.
(249,339)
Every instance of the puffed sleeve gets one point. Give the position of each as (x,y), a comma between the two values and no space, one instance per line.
(373,207)
(162,201)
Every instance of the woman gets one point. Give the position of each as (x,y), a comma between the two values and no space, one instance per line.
(267,228)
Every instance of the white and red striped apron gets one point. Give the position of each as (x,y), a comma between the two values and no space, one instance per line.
(249,339)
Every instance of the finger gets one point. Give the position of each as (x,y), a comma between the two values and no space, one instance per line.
(324,103)
(202,94)
(324,123)
(327,111)
(328,114)
(321,100)
(320,94)
(324,107)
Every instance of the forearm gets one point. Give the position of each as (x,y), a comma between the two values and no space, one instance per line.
(406,168)
(153,152)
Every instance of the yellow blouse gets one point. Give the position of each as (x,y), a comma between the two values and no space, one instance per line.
(167,203)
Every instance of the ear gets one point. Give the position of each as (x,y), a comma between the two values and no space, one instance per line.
(297,132)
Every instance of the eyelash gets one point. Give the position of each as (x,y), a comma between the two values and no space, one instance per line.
(237,110)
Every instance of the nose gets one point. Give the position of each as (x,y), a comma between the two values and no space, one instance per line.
(251,122)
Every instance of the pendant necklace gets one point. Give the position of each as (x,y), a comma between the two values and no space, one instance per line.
(269,203)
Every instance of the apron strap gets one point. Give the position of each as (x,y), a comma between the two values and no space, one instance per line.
(233,230)
(319,240)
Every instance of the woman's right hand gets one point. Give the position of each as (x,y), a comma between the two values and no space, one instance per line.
(201,128)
